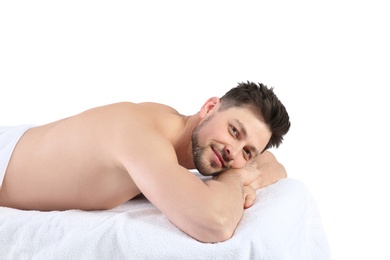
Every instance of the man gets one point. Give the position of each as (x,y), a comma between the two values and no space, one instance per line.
(107,155)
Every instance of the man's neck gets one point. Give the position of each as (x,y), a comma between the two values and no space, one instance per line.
(183,145)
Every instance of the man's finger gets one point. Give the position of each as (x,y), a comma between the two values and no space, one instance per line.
(250,196)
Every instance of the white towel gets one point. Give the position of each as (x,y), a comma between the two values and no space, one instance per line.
(9,137)
(284,223)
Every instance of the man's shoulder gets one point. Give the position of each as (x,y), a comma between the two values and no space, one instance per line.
(145,108)
(158,107)
(133,120)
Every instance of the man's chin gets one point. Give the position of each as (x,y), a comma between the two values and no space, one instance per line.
(208,169)
(211,174)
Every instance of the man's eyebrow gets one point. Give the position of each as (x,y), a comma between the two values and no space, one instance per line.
(245,134)
(242,127)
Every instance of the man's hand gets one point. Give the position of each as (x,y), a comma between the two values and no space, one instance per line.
(265,170)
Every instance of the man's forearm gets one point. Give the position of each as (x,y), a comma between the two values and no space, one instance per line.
(228,198)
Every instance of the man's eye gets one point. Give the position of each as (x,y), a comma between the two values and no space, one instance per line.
(248,154)
(234,131)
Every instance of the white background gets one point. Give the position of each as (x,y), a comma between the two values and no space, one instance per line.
(328,62)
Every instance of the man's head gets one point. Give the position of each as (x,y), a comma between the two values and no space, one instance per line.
(234,129)
(264,103)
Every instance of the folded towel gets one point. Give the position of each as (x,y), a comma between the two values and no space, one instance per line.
(9,137)
(283,223)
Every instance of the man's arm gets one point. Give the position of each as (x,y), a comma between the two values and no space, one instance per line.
(269,171)
(208,211)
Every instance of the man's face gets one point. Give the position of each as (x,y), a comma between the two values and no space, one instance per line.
(228,139)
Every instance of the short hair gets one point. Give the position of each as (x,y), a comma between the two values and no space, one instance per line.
(263,101)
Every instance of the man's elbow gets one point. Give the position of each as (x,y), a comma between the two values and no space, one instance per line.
(216,230)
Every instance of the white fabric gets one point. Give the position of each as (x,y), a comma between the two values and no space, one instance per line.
(284,223)
(9,137)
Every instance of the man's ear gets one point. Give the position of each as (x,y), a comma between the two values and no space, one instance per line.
(208,106)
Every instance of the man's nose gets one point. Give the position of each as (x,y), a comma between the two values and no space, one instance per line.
(230,152)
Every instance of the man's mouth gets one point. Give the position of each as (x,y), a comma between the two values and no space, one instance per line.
(218,158)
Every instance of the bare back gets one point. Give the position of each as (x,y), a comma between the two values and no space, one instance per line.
(75,162)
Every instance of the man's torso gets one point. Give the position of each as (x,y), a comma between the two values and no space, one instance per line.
(76,162)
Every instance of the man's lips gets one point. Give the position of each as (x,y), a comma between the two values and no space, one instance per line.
(218,158)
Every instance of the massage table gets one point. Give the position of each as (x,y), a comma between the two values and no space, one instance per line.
(283,223)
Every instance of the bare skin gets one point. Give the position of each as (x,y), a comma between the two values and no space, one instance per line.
(105,156)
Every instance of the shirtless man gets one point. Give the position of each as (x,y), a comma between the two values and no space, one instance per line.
(107,155)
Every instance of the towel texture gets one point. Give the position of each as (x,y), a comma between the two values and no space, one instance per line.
(9,137)
(284,223)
